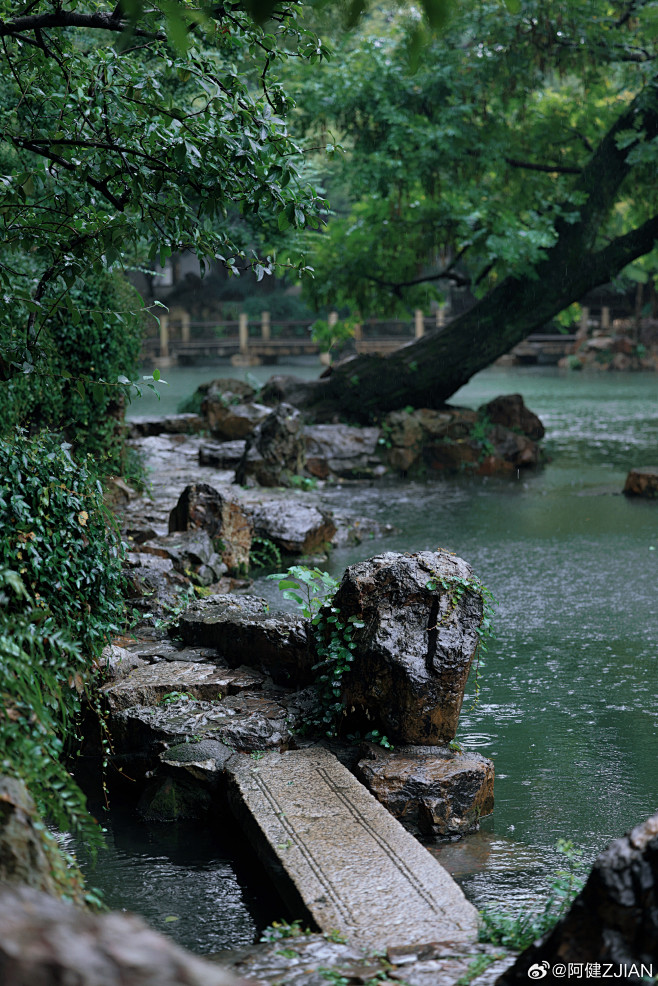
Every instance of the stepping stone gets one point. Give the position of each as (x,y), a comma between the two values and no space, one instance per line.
(149,685)
(339,858)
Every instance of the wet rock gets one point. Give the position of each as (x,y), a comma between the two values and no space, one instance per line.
(190,552)
(614,919)
(171,424)
(202,507)
(243,632)
(24,858)
(414,653)
(229,422)
(251,721)
(169,799)
(642,482)
(151,683)
(344,451)
(295,528)
(275,451)
(355,530)
(454,439)
(47,942)
(117,662)
(310,959)
(221,455)
(152,589)
(203,761)
(433,793)
(510,411)
(230,389)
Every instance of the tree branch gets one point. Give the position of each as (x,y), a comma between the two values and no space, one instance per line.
(561,169)
(67,18)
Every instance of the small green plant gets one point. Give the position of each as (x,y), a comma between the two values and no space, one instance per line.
(264,553)
(172,697)
(456,746)
(257,754)
(309,588)
(477,967)
(280,930)
(174,610)
(303,482)
(374,736)
(518,932)
(335,936)
(479,432)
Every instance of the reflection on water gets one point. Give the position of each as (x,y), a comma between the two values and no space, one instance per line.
(184,879)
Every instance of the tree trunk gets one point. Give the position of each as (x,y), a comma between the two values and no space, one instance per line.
(426,372)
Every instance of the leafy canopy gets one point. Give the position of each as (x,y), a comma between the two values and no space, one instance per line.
(131,130)
(464,163)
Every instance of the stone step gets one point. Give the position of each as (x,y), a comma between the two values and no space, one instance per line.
(339,858)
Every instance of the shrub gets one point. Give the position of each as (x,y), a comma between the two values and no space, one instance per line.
(60,600)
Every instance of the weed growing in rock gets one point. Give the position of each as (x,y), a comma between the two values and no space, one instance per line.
(263,553)
(517,933)
(172,697)
(303,482)
(279,930)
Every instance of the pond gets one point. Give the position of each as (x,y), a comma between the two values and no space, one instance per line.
(568,705)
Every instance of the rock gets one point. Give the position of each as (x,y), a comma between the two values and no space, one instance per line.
(642,482)
(456,438)
(149,588)
(339,857)
(202,507)
(295,528)
(47,942)
(151,683)
(613,920)
(243,632)
(414,653)
(145,426)
(190,552)
(510,411)
(229,422)
(275,451)
(117,662)
(24,852)
(221,455)
(433,793)
(230,389)
(251,721)
(344,451)
(118,492)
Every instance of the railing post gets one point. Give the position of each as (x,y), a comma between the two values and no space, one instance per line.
(243,333)
(185,326)
(332,319)
(583,327)
(605,317)
(164,336)
(358,332)
(265,326)
(440,317)
(419,323)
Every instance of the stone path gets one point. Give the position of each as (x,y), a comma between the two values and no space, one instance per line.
(341,856)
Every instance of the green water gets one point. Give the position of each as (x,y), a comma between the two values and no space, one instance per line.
(568,707)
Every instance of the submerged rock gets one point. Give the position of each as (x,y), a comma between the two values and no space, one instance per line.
(613,920)
(47,942)
(421,614)
(433,793)
(642,482)
(296,528)
(202,507)
(275,451)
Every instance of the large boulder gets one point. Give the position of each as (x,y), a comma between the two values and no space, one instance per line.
(202,507)
(642,482)
(438,792)
(275,451)
(510,411)
(421,615)
(221,455)
(46,942)
(295,528)
(613,921)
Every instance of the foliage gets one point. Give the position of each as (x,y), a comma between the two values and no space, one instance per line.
(280,930)
(519,932)
(133,131)
(303,482)
(60,600)
(328,334)
(59,536)
(309,588)
(101,341)
(467,165)
(263,553)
